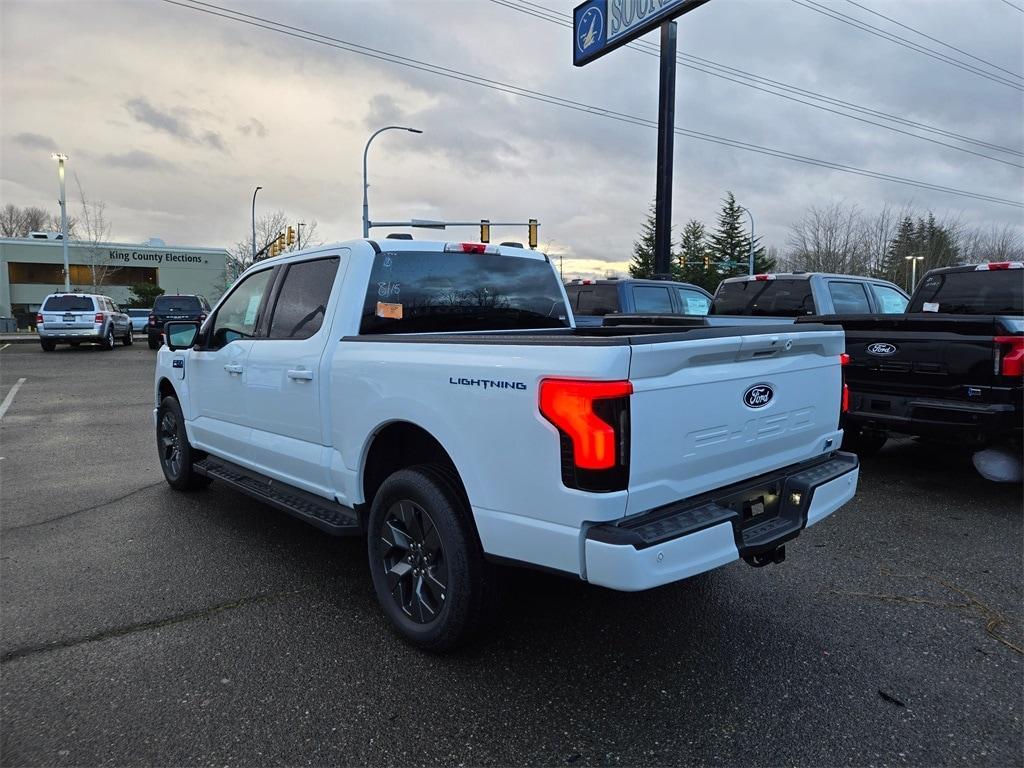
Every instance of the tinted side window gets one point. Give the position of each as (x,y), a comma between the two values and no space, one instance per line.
(985,292)
(595,300)
(239,315)
(890,301)
(302,300)
(694,303)
(652,299)
(849,298)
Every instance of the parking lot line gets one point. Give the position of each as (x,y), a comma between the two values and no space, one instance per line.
(5,346)
(10,397)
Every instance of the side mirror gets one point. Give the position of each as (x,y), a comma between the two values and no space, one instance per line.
(181,335)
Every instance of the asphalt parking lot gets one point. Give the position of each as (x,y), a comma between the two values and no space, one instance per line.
(144,626)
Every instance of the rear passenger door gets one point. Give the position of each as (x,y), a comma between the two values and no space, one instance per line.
(848,298)
(652,300)
(285,394)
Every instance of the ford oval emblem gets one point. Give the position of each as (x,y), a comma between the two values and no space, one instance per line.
(758,396)
(882,348)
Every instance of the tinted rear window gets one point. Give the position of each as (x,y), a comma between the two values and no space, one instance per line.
(593,300)
(771,298)
(988,292)
(177,304)
(68,303)
(138,313)
(416,292)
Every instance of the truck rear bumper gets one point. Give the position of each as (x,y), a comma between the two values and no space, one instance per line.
(954,420)
(749,520)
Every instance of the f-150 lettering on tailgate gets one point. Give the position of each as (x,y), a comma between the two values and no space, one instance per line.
(754,429)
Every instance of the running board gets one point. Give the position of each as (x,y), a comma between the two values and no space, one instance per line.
(326,515)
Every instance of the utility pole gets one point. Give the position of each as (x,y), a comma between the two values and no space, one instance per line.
(60,157)
(366,184)
(254,223)
(666,136)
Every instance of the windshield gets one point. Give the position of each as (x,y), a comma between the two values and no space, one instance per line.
(416,292)
(176,304)
(772,298)
(985,292)
(68,303)
(595,300)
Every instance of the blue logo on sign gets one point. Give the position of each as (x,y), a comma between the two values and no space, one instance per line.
(590,34)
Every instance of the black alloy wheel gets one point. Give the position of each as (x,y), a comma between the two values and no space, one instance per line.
(414,561)
(171,454)
(175,452)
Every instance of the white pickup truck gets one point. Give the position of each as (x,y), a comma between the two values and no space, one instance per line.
(437,399)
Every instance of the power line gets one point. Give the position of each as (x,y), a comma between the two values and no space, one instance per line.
(934,39)
(1012,5)
(877,32)
(646,48)
(333,42)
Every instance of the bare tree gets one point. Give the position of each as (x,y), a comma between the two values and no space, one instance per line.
(12,221)
(997,243)
(827,239)
(268,227)
(95,230)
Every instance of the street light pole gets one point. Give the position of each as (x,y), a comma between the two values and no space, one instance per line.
(298,228)
(751,256)
(913,270)
(366,185)
(254,222)
(61,158)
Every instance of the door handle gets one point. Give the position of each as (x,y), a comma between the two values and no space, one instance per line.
(233,368)
(301,374)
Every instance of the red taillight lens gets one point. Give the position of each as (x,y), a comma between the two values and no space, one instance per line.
(844,360)
(100,317)
(39,318)
(474,248)
(1011,355)
(152,319)
(569,405)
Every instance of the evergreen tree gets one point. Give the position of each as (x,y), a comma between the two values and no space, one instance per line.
(730,244)
(894,266)
(642,265)
(693,260)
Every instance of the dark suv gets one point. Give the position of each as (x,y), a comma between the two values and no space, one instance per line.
(174,307)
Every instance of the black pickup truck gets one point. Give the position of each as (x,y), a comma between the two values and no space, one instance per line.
(950,368)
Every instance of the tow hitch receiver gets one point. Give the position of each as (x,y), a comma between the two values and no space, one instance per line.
(762,559)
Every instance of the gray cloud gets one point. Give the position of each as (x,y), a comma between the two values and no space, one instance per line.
(165,122)
(35,141)
(254,127)
(137,159)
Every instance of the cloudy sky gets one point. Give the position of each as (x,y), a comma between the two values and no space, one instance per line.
(172,116)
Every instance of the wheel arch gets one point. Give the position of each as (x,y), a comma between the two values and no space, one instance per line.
(401,444)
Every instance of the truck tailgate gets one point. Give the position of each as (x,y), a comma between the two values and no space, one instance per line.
(707,413)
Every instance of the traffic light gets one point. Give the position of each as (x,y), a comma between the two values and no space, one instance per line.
(707,263)
(273,248)
(485,230)
(291,235)
(533,233)
(280,243)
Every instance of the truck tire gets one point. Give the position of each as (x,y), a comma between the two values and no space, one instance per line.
(864,443)
(107,342)
(175,453)
(426,562)
(47,345)
(128,340)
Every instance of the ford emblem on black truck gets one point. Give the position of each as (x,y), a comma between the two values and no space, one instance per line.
(758,396)
(882,348)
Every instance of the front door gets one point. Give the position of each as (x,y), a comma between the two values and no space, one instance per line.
(217,372)
(284,386)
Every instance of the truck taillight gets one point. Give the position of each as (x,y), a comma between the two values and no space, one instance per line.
(1009,355)
(152,319)
(39,318)
(592,418)
(100,317)
(844,360)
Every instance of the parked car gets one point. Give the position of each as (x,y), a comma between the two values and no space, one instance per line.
(801,294)
(592,300)
(169,307)
(140,319)
(436,399)
(74,318)
(951,368)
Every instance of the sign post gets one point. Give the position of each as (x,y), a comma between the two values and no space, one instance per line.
(601,26)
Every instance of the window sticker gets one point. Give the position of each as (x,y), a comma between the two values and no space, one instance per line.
(252,309)
(931,306)
(389,311)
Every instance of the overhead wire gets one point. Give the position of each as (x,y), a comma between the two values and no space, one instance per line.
(338,43)
(893,38)
(640,47)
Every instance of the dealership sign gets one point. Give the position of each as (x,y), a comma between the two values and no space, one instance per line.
(601,26)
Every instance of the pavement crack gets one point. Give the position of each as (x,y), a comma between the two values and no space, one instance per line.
(144,626)
(66,515)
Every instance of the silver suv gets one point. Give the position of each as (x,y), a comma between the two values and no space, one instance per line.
(73,318)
